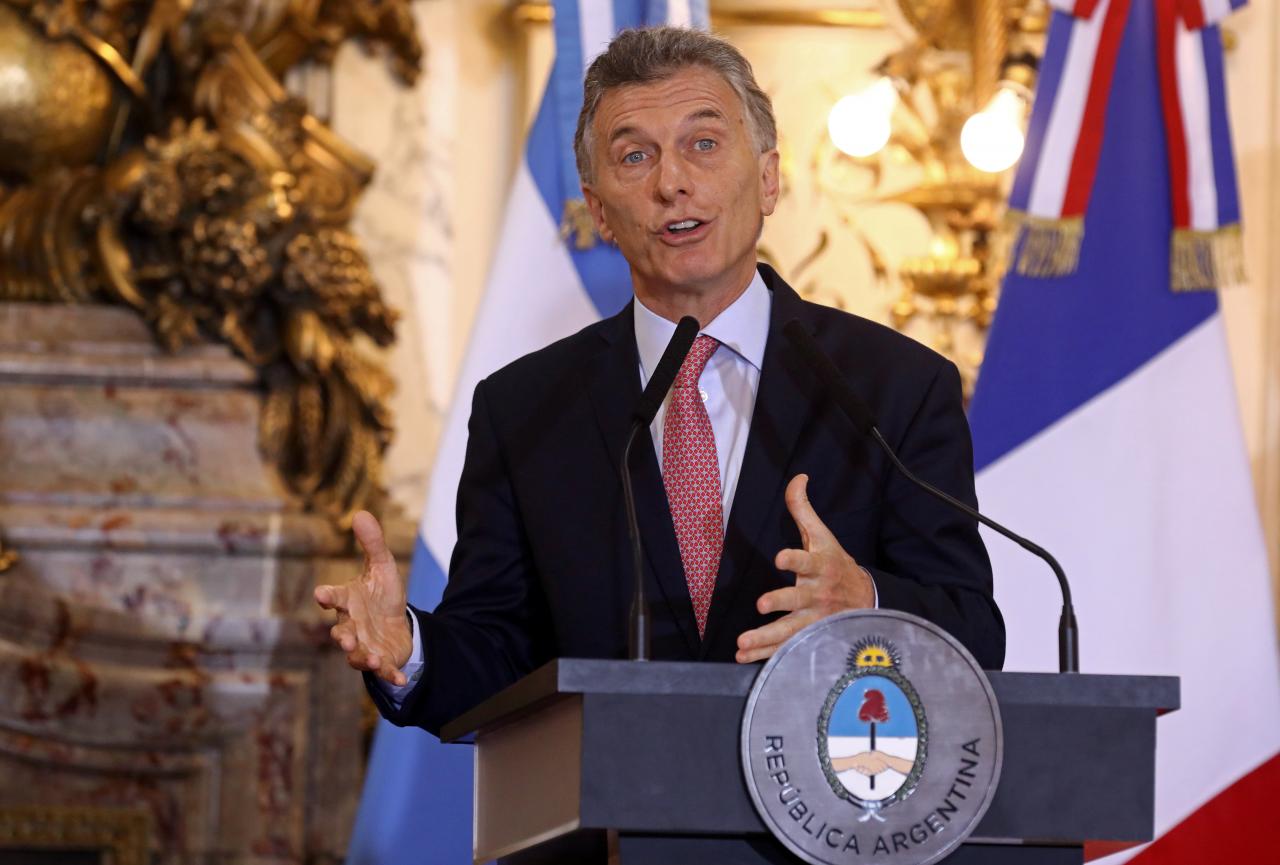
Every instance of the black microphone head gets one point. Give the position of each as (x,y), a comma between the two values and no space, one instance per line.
(687,329)
(826,370)
(664,374)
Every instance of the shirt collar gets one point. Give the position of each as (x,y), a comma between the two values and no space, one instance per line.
(742,327)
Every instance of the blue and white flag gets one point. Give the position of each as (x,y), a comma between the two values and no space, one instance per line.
(1106,427)
(542,287)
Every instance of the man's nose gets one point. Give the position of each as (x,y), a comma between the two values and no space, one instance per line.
(673,178)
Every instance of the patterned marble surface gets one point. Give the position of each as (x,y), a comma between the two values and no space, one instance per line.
(405,222)
(158,643)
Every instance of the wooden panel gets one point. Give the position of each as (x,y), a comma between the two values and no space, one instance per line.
(529,780)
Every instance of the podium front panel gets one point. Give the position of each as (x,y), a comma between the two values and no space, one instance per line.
(581,749)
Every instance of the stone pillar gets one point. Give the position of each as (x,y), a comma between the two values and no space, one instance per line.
(159,647)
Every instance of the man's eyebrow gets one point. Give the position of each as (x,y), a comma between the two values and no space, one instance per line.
(622,132)
(700,114)
(707,114)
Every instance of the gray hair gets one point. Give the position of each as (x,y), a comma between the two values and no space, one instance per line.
(644,55)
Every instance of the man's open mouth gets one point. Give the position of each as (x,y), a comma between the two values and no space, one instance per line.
(682,227)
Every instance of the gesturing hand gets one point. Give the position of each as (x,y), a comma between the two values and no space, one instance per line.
(372,627)
(828,581)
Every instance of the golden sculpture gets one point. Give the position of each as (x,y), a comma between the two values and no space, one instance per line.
(956,285)
(961,52)
(149,156)
(119,835)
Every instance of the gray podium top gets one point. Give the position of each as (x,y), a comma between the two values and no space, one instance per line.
(1079,759)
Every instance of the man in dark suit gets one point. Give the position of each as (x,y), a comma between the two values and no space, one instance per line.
(761,508)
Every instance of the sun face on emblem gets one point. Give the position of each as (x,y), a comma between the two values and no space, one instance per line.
(872,652)
(872,734)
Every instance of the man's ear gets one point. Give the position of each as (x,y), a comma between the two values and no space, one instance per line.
(596,206)
(769,181)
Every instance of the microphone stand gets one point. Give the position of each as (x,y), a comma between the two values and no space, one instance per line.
(638,637)
(664,375)
(1068,631)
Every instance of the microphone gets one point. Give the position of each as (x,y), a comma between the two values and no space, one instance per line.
(664,375)
(853,406)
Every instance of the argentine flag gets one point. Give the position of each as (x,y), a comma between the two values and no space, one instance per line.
(417,799)
(1105,420)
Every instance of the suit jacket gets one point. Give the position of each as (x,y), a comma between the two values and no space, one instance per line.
(542,568)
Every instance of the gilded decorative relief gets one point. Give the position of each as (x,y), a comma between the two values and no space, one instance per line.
(120,836)
(149,156)
(904,223)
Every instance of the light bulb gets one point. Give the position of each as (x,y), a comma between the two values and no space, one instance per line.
(992,139)
(859,123)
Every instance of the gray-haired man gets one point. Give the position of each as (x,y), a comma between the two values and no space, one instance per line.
(762,511)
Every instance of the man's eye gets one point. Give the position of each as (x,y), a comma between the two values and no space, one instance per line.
(634,157)
(705,144)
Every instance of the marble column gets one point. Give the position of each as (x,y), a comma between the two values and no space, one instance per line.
(159,648)
(405,221)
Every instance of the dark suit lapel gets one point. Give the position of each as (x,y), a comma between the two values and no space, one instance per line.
(614,392)
(783,401)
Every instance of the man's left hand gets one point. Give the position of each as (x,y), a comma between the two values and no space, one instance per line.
(828,581)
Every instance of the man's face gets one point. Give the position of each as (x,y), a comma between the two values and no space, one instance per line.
(679,184)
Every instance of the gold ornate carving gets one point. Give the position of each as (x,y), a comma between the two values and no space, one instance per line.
(121,835)
(55,99)
(945,71)
(955,286)
(541,12)
(208,198)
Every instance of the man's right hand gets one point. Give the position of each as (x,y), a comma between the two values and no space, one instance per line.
(372,626)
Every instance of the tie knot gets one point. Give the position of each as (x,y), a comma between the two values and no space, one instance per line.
(694,362)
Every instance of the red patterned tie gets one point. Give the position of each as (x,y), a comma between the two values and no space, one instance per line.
(691,474)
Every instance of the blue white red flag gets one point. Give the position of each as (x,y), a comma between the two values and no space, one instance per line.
(1105,419)
(1069,123)
(541,287)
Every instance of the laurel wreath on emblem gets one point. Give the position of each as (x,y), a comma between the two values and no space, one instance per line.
(874,656)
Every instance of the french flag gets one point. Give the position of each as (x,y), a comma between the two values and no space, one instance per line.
(1058,173)
(417,798)
(1105,419)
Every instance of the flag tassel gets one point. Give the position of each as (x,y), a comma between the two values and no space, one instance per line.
(1204,260)
(1047,247)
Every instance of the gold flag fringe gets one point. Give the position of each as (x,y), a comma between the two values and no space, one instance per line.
(576,223)
(1205,260)
(1046,247)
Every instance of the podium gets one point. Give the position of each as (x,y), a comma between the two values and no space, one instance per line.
(638,763)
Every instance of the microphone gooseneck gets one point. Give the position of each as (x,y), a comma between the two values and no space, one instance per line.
(860,415)
(664,375)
